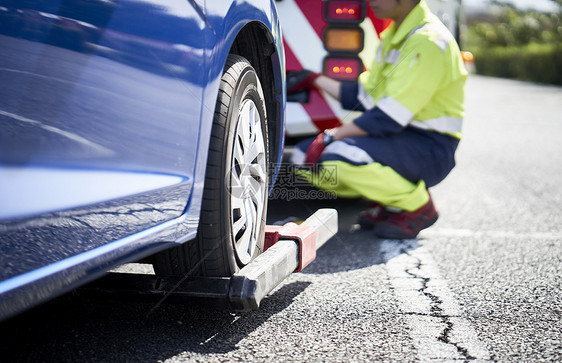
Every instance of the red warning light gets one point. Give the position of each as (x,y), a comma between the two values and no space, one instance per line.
(344,11)
(343,68)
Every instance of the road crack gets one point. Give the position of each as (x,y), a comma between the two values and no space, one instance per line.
(435,321)
(436,308)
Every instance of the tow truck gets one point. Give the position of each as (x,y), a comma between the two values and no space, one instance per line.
(337,38)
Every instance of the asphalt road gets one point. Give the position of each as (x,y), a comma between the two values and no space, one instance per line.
(484,283)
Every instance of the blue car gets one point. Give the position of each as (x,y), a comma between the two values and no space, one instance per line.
(134,129)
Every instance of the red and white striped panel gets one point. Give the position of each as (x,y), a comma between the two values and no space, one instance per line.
(302,22)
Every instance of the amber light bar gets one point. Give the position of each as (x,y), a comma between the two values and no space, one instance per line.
(343,68)
(343,39)
(337,11)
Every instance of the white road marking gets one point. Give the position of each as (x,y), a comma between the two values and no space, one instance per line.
(467,233)
(437,326)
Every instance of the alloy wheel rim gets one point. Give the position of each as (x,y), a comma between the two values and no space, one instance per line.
(247,181)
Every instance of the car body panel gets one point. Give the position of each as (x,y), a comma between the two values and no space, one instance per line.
(104,129)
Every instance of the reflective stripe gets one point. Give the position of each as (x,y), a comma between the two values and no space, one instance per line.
(395,110)
(442,41)
(414,31)
(350,152)
(392,56)
(443,35)
(440,124)
(378,58)
(366,100)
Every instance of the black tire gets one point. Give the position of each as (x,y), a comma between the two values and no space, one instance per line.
(232,223)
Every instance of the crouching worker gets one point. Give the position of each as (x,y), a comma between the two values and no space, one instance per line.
(412,100)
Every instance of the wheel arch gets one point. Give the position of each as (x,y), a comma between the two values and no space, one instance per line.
(255,43)
(262,46)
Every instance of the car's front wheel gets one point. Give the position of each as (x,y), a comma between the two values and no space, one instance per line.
(232,223)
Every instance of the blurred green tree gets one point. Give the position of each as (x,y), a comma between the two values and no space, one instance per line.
(512,43)
(512,27)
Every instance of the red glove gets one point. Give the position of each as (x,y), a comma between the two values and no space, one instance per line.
(300,80)
(315,149)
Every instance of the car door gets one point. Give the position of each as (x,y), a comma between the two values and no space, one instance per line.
(100,108)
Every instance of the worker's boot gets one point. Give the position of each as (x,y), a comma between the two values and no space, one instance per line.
(370,217)
(402,225)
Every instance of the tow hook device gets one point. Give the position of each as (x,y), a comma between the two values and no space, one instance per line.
(287,249)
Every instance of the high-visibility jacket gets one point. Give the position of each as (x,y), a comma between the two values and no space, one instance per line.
(417,79)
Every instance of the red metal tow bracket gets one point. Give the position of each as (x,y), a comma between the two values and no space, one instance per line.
(290,248)
(305,236)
